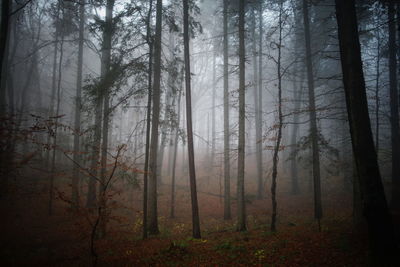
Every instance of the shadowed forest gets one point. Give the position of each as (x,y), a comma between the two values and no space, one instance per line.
(199,133)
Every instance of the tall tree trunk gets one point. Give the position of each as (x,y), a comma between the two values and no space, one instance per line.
(275,158)
(377,85)
(105,69)
(4,108)
(394,109)
(375,209)
(53,85)
(153,220)
(78,100)
(258,138)
(227,167)
(297,94)
(241,204)
(214,91)
(313,119)
(192,171)
(53,160)
(148,118)
(4,30)
(260,95)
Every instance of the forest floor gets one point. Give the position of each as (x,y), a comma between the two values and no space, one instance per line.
(30,237)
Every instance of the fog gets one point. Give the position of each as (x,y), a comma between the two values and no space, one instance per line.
(199,132)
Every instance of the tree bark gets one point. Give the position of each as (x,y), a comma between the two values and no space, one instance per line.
(375,209)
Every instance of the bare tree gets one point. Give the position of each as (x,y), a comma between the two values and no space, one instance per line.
(280,123)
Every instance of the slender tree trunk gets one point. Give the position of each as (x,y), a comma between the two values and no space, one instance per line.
(258,138)
(175,148)
(394,109)
(192,171)
(148,119)
(53,160)
(297,95)
(260,97)
(53,86)
(105,69)
(313,119)
(275,158)
(377,85)
(375,209)
(227,167)
(78,100)
(214,82)
(153,220)
(241,205)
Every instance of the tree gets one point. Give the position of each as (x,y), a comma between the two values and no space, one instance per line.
(153,220)
(275,157)
(149,41)
(394,108)
(241,206)
(105,72)
(256,84)
(78,103)
(313,118)
(4,30)
(192,171)
(227,190)
(375,209)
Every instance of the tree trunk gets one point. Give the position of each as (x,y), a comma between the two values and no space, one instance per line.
(105,69)
(258,137)
(394,109)
(275,158)
(192,171)
(4,30)
(375,209)
(313,118)
(53,160)
(153,220)
(148,118)
(241,213)
(227,167)
(175,148)
(77,124)
(260,96)
(214,92)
